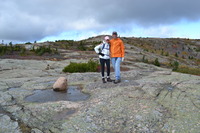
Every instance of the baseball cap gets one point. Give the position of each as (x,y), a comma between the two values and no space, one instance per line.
(114,33)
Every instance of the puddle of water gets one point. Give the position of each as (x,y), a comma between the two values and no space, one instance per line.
(169,87)
(11,89)
(41,96)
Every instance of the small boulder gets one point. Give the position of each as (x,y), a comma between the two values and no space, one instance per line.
(60,84)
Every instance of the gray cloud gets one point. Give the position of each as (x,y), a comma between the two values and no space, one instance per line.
(23,20)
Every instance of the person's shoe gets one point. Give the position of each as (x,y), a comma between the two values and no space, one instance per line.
(117,81)
(103,79)
(109,80)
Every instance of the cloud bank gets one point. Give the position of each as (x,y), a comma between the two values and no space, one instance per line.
(23,20)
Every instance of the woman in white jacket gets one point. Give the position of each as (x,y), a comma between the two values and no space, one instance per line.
(103,50)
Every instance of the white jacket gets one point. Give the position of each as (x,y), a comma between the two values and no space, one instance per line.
(104,48)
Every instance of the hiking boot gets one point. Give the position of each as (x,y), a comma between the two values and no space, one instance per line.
(103,79)
(109,80)
(117,81)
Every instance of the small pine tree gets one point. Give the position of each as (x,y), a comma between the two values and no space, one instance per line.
(175,66)
(5,49)
(146,61)
(143,58)
(11,47)
(162,52)
(33,49)
(176,54)
(48,49)
(1,50)
(23,52)
(190,57)
(156,62)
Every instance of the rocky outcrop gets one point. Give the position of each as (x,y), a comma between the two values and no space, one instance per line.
(149,99)
(8,126)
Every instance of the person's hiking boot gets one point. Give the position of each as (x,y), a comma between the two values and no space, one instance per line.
(109,80)
(117,81)
(103,80)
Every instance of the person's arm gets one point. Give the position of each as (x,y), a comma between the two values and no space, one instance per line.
(110,48)
(122,49)
(97,49)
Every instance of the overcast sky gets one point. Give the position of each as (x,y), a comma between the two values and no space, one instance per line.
(41,20)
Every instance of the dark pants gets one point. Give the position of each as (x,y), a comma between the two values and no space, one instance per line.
(103,62)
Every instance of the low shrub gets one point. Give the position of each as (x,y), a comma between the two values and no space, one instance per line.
(90,66)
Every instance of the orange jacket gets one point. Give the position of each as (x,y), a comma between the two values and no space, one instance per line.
(117,48)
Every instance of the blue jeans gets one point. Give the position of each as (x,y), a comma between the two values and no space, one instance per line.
(116,61)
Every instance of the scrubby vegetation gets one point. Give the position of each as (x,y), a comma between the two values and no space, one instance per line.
(90,66)
(188,70)
(178,47)
(42,50)
(155,62)
(172,52)
(175,66)
(5,49)
(22,51)
(76,45)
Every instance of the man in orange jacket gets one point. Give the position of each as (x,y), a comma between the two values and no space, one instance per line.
(117,55)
